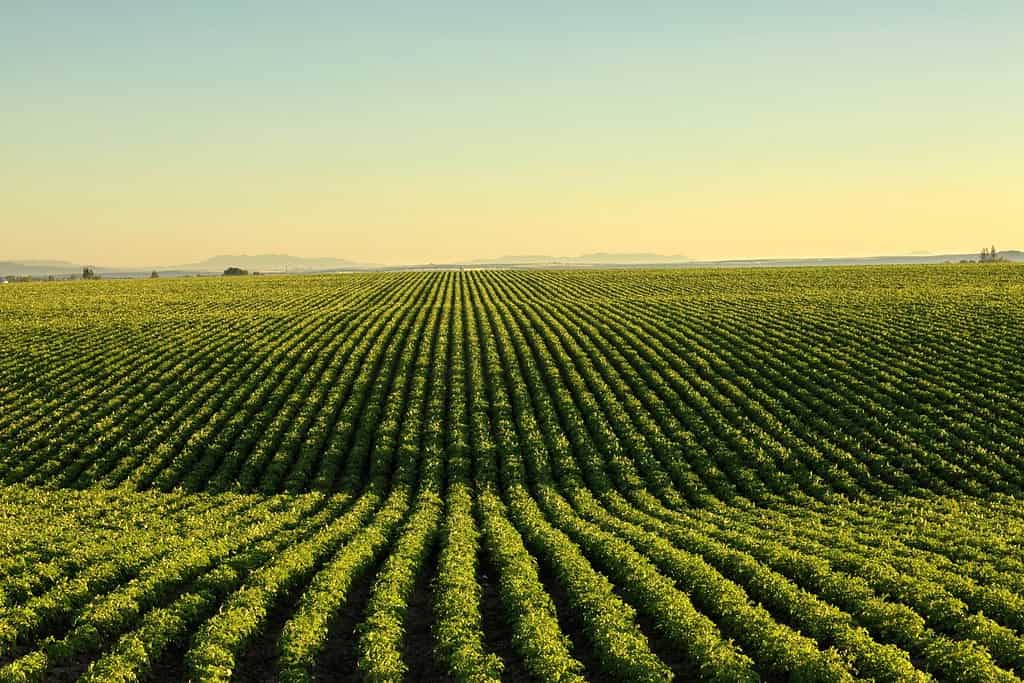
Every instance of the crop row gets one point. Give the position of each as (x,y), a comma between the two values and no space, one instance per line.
(500,475)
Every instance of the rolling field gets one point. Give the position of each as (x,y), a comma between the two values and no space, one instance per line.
(723,475)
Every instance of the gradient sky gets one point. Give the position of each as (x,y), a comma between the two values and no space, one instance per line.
(153,133)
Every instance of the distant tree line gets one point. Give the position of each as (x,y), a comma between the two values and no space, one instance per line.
(990,255)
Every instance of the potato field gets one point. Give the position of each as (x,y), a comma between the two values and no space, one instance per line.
(808,474)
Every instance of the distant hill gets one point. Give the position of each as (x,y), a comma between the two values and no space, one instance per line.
(34,268)
(270,263)
(1009,255)
(280,263)
(267,263)
(597,258)
(644,259)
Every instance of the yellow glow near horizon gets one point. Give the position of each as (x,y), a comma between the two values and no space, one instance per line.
(475,133)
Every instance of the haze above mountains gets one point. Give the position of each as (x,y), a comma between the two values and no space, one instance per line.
(284,263)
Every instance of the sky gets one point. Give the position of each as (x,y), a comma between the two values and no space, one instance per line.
(157,133)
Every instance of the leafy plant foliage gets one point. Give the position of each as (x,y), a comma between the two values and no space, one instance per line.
(722,475)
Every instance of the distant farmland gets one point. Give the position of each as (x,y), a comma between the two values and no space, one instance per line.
(731,475)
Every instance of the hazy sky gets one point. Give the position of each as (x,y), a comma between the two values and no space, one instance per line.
(135,133)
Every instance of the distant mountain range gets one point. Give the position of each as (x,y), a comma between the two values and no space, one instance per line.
(266,263)
(911,259)
(644,259)
(597,258)
(40,268)
(280,263)
(270,263)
